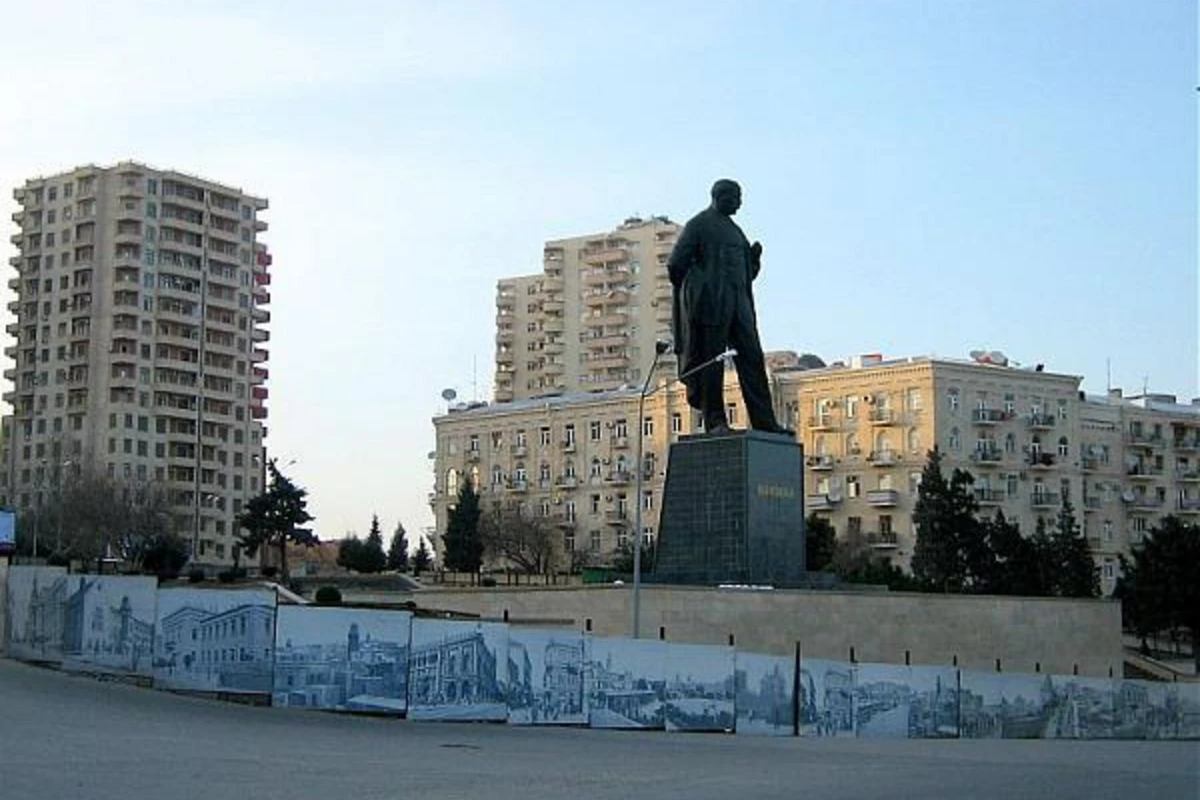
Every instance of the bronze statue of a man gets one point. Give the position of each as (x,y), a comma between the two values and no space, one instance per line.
(712,267)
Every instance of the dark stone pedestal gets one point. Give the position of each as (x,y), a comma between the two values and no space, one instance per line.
(733,511)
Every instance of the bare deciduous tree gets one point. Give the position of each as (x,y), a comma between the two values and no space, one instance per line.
(527,542)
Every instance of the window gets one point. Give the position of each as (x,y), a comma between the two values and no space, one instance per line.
(1062,410)
(594,430)
(569,541)
(885,482)
(731,413)
(648,426)
(885,524)
(519,439)
(569,435)
(497,440)
(1063,448)
(620,429)
(676,422)
(1109,572)
(914,483)
(1010,404)
(854,526)
(912,399)
(1011,483)
(594,504)
(544,473)
(497,475)
(1010,443)
(596,468)
(594,541)
(544,436)
(914,441)
(953,399)
(955,440)
(852,446)
(647,500)
(851,405)
(852,486)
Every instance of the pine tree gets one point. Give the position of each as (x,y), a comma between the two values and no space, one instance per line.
(1012,560)
(1074,569)
(273,518)
(463,544)
(1160,589)
(422,558)
(373,557)
(950,553)
(397,557)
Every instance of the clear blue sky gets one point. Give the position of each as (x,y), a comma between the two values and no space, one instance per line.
(927,176)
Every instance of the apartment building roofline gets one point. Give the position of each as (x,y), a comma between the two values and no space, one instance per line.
(571,400)
(260,203)
(871,362)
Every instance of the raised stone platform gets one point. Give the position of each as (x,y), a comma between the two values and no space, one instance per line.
(733,511)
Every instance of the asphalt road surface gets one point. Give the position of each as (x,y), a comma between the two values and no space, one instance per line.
(73,737)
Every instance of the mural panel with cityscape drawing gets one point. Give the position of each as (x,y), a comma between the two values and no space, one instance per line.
(699,690)
(895,701)
(341,658)
(545,677)
(764,694)
(108,624)
(457,670)
(826,698)
(36,599)
(625,681)
(215,640)
(998,705)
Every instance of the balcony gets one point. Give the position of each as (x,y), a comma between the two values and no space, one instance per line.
(1045,499)
(1092,503)
(520,450)
(819,463)
(607,255)
(568,445)
(567,482)
(987,455)
(1143,502)
(505,336)
(554,347)
(554,306)
(1188,505)
(989,416)
(989,497)
(883,498)
(1141,439)
(1143,472)
(553,325)
(518,485)
(554,367)
(882,540)
(1187,444)
(1041,422)
(620,442)
(1039,460)
(260,315)
(883,416)
(819,502)
(1089,464)
(620,477)
(823,422)
(883,458)
(1188,475)
(618,517)
(258,355)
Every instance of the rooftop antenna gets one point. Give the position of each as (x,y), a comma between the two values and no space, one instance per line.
(1145,385)
(1108,374)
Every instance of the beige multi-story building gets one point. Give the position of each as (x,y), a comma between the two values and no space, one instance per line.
(1029,438)
(589,320)
(139,348)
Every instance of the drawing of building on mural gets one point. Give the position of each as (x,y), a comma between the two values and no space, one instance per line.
(108,623)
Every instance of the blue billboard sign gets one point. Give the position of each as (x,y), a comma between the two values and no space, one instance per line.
(8,532)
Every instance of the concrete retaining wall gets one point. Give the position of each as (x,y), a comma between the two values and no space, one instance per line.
(1026,634)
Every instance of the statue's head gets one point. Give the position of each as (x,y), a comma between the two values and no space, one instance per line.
(727,196)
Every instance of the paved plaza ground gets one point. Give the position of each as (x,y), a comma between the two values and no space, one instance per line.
(73,737)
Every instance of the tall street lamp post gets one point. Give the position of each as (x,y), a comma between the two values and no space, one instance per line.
(660,348)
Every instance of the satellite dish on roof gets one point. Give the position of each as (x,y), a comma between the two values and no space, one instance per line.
(449,394)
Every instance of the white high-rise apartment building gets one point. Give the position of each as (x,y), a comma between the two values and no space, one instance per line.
(589,320)
(139,299)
